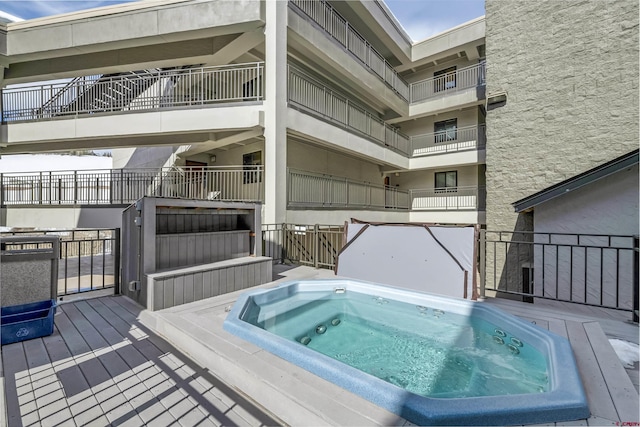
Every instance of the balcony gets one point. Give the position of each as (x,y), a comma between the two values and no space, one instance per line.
(449,141)
(311,96)
(448,199)
(134,91)
(313,190)
(125,186)
(341,31)
(448,84)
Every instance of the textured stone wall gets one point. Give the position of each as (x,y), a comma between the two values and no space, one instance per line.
(570,69)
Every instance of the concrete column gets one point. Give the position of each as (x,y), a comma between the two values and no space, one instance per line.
(275,115)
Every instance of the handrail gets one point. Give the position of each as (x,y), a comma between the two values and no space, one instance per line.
(461,79)
(449,141)
(67,88)
(339,28)
(448,198)
(314,97)
(314,190)
(142,90)
(124,186)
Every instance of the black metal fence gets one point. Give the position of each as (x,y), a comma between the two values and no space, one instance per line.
(89,259)
(589,269)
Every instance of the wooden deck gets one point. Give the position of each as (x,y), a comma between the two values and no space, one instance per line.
(102,367)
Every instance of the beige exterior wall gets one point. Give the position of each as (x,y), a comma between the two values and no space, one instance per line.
(570,70)
(466,117)
(311,158)
(467,176)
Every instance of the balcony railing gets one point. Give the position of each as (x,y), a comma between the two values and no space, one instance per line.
(134,92)
(124,186)
(339,28)
(446,84)
(314,97)
(311,190)
(449,141)
(450,198)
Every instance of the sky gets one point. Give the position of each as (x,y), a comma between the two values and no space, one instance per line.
(420,18)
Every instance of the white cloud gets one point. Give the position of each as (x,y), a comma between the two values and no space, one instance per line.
(29,9)
(425,18)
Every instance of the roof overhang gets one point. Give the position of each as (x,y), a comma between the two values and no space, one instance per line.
(585,178)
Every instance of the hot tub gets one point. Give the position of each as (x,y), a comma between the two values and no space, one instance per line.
(432,360)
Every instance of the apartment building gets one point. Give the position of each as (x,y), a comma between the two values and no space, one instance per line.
(329,108)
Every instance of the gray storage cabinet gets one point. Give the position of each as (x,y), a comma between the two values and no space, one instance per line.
(177,251)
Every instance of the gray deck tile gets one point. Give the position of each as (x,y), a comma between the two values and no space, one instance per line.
(124,415)
(106,393)
(155,414)
(58,415)
(25,395)
(55,396)
(208,422)
(29,418)
(98,422)
(193,417)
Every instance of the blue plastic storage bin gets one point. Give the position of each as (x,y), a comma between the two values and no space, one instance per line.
(27,321)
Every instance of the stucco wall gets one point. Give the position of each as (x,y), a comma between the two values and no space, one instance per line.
(467,176)
(608,206)
(466,117)
(311,158)
(570,69)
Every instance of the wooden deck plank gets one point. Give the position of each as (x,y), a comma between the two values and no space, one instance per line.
(598,396)
(111,360)
(174,389)
(132,357)
(73,381)
(15,369)
(621,389)
(558,327)
(101,366)
(187,371)
(3,405)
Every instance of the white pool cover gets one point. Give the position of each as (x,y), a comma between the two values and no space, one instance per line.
(427,258)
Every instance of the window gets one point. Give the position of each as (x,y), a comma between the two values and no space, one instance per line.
(251,175)
(446,182)
(444,79)
(446,130)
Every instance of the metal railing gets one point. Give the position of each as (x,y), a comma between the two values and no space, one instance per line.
(89,259)
(312,96)
(312,190)
(587,269)
(446,84)
(449,141)
(448,199)
(323,14)
(134,92)
(124,186)
(315,245)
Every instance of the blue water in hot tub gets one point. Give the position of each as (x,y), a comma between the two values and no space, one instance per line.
(424,350)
